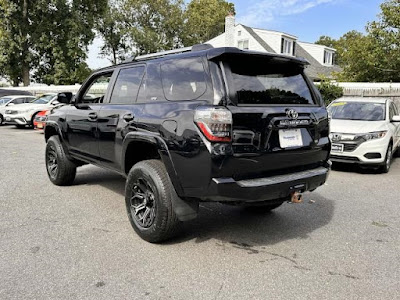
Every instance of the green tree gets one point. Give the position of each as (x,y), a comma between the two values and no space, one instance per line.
(204,20)
(47,37)
(112,30)
(153,25)
(329,90)
(386,36)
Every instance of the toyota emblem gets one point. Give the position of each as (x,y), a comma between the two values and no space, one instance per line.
(292,114)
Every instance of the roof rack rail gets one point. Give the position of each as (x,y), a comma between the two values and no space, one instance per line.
(198,47)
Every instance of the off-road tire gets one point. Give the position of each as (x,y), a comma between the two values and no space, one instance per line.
(65,170)
(165,223)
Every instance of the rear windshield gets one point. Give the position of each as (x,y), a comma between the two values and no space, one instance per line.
(267,83)
(357,111)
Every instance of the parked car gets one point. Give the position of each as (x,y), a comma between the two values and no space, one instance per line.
(8,101)
(364,131)
(40,119)
(24,114)
(210,124)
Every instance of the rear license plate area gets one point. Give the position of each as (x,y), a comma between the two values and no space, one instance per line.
(289,138)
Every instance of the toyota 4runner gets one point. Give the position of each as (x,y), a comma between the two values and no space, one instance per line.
(206,124)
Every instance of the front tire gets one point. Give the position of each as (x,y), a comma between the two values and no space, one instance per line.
(149,196)
(60,169)
(388,160)
(1,120)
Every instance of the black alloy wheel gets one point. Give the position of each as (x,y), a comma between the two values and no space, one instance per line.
(142,204)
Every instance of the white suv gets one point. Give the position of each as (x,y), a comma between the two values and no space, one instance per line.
(24,114)
(7,102)
(364,131)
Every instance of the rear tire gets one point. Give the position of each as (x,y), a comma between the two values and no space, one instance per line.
(60,169)
(388,160)
(1,120)
(149,197)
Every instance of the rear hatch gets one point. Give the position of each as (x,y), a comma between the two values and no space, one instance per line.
(280,125)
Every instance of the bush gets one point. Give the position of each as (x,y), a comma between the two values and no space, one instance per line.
(329,91)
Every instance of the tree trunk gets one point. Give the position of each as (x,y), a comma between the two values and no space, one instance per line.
(25,51)
(114,56)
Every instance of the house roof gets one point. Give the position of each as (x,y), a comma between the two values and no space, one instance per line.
(315,69)
(258,39)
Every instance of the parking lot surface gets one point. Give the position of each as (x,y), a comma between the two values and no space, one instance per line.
(76,242)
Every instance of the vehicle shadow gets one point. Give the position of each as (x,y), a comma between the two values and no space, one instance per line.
(354,168)
(234,224)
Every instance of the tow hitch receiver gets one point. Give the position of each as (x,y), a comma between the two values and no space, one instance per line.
(296,197)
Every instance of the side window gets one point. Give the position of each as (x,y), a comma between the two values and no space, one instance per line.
(127,85)
(396,111)
(150,90)
(183,79)
(18,101)
(96,91)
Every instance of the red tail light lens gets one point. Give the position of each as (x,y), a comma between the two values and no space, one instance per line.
(215,123)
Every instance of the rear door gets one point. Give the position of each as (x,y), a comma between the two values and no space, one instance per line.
(117,116)
(279,121)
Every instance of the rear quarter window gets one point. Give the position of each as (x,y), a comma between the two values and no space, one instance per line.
(183,79)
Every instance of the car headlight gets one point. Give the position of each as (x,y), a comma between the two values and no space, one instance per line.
(24,111)
(372,135)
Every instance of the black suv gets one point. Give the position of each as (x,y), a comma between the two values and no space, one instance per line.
(210,124)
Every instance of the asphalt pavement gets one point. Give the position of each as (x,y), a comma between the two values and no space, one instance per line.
(76,242)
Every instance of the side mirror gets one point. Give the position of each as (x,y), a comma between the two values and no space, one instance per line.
(396,119)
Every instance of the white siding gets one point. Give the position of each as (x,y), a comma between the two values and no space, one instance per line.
(218,41)
(316,51)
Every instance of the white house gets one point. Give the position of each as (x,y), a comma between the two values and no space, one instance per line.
(321,58)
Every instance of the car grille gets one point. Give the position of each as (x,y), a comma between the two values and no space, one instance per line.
(350,147)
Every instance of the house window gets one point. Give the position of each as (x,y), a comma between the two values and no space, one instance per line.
(239,33)
(328,58)
(243,44)
(287,47)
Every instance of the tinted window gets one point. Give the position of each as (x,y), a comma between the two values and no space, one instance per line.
(18,101)
(97,89)
(262,83)
(127,85)
(362,111)
(183,79)
(151,90)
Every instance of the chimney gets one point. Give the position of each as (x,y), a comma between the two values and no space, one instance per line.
(230,30)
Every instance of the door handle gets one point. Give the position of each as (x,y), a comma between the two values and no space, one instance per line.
(92,116)
(128,117)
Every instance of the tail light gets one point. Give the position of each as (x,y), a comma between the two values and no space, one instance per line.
(215,123)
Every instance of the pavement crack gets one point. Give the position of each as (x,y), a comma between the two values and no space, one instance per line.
(341,274)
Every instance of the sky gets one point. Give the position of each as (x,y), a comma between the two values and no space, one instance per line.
(306,19)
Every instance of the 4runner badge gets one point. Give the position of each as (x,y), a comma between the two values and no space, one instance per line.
(292,114)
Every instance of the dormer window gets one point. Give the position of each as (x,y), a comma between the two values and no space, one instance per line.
(328,57)
(288,46)
(243,44)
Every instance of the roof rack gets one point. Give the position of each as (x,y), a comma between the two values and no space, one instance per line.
(198,47)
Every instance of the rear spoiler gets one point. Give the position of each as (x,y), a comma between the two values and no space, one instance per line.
(221,53)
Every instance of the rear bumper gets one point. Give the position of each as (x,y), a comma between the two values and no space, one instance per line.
(264,189)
